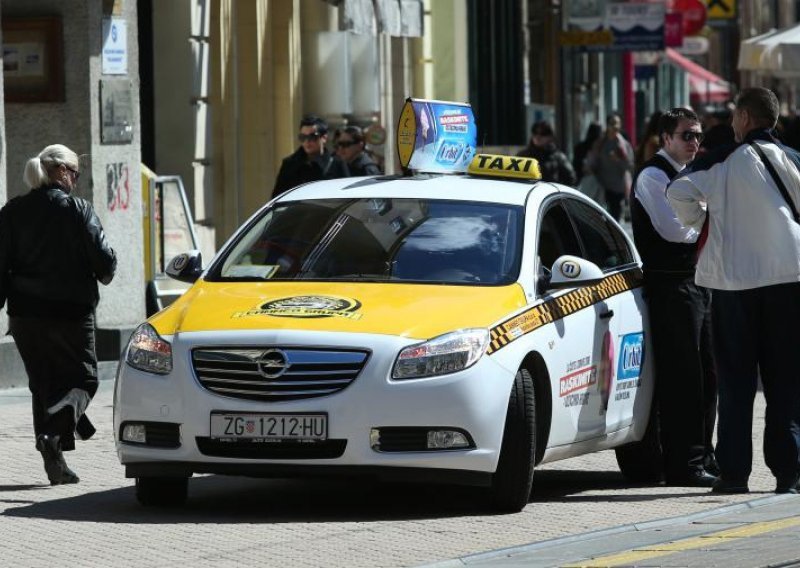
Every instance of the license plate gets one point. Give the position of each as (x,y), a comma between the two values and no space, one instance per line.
(269,426)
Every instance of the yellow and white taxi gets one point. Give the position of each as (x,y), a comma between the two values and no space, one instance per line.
(457,328)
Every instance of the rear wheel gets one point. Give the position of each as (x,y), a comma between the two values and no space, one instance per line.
(641,462)
(162,491)
(512,482)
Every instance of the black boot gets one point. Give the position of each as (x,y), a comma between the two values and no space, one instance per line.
(54,464)
(67,475)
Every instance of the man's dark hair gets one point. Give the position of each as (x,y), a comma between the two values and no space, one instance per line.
(314,120)
(761,104)
(542,128)
(669,120)
(611,116)
(354,132)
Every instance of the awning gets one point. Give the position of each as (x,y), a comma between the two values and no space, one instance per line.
(775,53)
(751,50)
(704,86)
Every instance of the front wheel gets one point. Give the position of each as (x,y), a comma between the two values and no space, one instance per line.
(162,491)
(512,482)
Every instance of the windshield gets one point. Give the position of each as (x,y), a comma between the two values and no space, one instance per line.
(398,240)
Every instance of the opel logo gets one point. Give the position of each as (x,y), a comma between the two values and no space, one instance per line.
(273,363)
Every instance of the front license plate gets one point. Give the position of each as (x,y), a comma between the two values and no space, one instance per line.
(269,426)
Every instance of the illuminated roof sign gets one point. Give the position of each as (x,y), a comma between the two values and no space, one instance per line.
(436,136)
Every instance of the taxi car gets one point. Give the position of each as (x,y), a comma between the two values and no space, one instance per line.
(442,328)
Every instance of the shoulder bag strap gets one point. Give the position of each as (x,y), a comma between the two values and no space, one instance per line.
(777,179)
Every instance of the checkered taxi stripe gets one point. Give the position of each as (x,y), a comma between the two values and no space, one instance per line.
(562,306)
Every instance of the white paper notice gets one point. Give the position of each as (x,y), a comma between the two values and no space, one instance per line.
(115,46)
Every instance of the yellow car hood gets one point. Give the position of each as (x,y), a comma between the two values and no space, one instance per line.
(410,310)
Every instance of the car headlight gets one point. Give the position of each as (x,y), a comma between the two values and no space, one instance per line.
(447,353)
(147,351)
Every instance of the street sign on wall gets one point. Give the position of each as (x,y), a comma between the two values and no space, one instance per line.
(694,15)
(693,45)
(721,9)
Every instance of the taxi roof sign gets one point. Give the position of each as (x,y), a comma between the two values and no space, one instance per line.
(496,165)
(436,136)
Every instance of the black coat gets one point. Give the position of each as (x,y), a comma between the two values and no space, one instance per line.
(553,163)
(52,253)
(363,165)
(297,170)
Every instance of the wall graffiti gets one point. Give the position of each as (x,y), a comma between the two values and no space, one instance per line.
(118,186)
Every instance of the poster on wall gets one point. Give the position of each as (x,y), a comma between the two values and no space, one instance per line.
(615,25)
(116,111)
(115,47)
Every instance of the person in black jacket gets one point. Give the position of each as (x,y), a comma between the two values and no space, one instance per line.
(680,310)
(52,253)
(350,148)
(311,161)
(553,163)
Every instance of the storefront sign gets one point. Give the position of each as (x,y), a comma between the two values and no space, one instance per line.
(616,25)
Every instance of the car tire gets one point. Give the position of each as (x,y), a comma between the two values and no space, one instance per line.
(641,462)
(162,491)
(512,482)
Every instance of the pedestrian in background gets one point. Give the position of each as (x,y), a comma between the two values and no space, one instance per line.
(717,130)
(553,163)
(52,253)
(581,152)
(351,149)
(680,310)
(751,261)
(613,164)
(311,161)
(651,141)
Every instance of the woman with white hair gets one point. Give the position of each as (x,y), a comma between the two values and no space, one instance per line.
(52,253)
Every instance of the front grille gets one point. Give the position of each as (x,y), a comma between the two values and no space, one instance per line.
(290,450)
(276,374)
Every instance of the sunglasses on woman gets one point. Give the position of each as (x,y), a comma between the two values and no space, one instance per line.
(75,173)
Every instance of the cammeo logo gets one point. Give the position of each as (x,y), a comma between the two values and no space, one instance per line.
(307,307)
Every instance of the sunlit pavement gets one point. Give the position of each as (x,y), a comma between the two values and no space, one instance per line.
(343,522)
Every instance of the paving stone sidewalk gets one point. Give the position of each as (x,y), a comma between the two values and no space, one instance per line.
(344,522)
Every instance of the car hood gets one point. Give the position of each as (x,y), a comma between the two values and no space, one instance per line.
(410,310)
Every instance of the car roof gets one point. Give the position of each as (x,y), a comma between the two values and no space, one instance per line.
(430,186)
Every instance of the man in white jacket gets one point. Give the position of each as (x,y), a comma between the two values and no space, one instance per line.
(751,262)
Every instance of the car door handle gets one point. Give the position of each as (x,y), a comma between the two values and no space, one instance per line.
(607,315)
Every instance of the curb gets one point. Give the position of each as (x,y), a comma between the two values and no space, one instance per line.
(592,535)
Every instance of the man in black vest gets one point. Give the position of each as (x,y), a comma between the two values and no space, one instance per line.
(680,310)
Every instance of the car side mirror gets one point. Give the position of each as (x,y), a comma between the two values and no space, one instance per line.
(186,267)
(572,271)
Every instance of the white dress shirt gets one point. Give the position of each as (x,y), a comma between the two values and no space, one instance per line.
(651,192)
